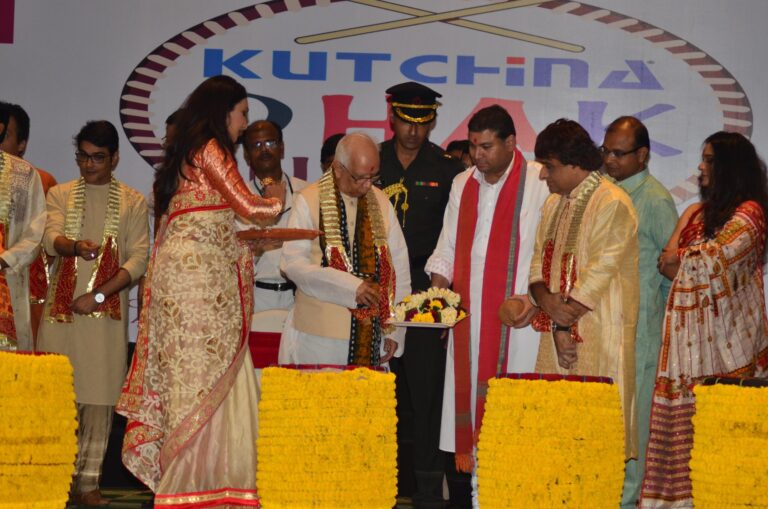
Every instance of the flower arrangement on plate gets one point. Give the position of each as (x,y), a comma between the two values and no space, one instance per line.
(435,307)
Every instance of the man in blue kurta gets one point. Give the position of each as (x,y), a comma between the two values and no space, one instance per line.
(626,151)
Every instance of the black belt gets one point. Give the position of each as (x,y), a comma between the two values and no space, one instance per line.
(277,287)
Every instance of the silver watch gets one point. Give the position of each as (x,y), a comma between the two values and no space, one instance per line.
(99,297)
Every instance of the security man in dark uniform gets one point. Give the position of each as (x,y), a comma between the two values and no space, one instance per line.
(417,175)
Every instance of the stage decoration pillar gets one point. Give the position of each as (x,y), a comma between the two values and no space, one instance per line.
(327,439)
(37,431)
(551,441)
(729,459)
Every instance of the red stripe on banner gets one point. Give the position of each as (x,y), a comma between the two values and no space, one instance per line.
(6,21)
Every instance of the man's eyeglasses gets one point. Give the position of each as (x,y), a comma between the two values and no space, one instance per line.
(618,154)
(373,179)
(258,145)
(97,158)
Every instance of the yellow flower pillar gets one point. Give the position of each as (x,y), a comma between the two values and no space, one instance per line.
(327,440)
(551,444)
(37,431)
(729,459)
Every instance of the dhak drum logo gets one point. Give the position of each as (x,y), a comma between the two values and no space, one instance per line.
(318,67)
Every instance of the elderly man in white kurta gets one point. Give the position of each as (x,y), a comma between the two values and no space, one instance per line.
(22,221)
(99,232)
(484,250)
(349,279)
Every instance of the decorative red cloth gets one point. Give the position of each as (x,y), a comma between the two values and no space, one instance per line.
(264,347)
(109,264)
(38,279)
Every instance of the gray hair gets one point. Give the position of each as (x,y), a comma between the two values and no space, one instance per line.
(342,154)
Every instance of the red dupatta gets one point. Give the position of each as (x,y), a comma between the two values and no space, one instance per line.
(501,255)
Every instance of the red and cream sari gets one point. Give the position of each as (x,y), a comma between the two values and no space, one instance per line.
(190,395)
(715,324)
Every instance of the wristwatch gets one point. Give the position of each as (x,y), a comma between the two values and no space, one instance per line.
(99,297)
(560,328)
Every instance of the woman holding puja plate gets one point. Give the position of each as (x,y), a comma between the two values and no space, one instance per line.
(190,396)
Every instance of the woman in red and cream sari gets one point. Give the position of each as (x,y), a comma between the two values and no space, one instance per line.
(190,396)
(715,322)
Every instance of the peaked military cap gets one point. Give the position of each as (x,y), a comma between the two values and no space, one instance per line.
(413,102)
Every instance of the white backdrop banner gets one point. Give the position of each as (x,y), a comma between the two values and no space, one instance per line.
(686,68)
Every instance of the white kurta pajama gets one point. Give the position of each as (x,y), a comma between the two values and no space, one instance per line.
(333,286)
(267,266)
(523,343)
(26,224)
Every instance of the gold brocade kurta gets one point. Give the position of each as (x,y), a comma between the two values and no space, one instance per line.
(96,346)
(607,282)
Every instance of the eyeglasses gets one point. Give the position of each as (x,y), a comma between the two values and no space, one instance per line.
(97,158)
(618,154)
(373,179)
(258,145)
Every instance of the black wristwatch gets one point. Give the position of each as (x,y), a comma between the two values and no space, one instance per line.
(560,328)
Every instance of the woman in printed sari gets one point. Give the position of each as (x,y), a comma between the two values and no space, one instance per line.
(715,322)
(190,395)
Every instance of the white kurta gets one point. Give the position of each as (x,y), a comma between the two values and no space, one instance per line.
(334,286)
(267,266)
(523,344)
(25,230)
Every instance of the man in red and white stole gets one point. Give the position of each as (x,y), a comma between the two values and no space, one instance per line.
(484,250)
(348,279)
(98,231)
(22,221)
(584,273)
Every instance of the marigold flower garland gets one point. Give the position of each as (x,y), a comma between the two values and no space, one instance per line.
(435,305)
(37,431)
(729,459)
(327,439)
(551,444)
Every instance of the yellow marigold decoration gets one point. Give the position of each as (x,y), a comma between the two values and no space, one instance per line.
(729,459)
(37,431)
(436,304)
(327,440)
(423,318)
(551,444)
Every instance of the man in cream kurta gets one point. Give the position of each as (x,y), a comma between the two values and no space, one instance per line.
(95,342)
(317,331)
(588,309)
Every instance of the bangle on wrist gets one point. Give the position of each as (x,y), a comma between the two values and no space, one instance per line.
(74,248)
(560,328)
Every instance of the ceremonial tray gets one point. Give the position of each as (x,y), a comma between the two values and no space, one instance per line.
(278,234)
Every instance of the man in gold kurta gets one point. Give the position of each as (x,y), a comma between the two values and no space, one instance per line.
(584,272)
(98,230)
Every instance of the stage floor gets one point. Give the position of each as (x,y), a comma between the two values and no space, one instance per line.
(127,498)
